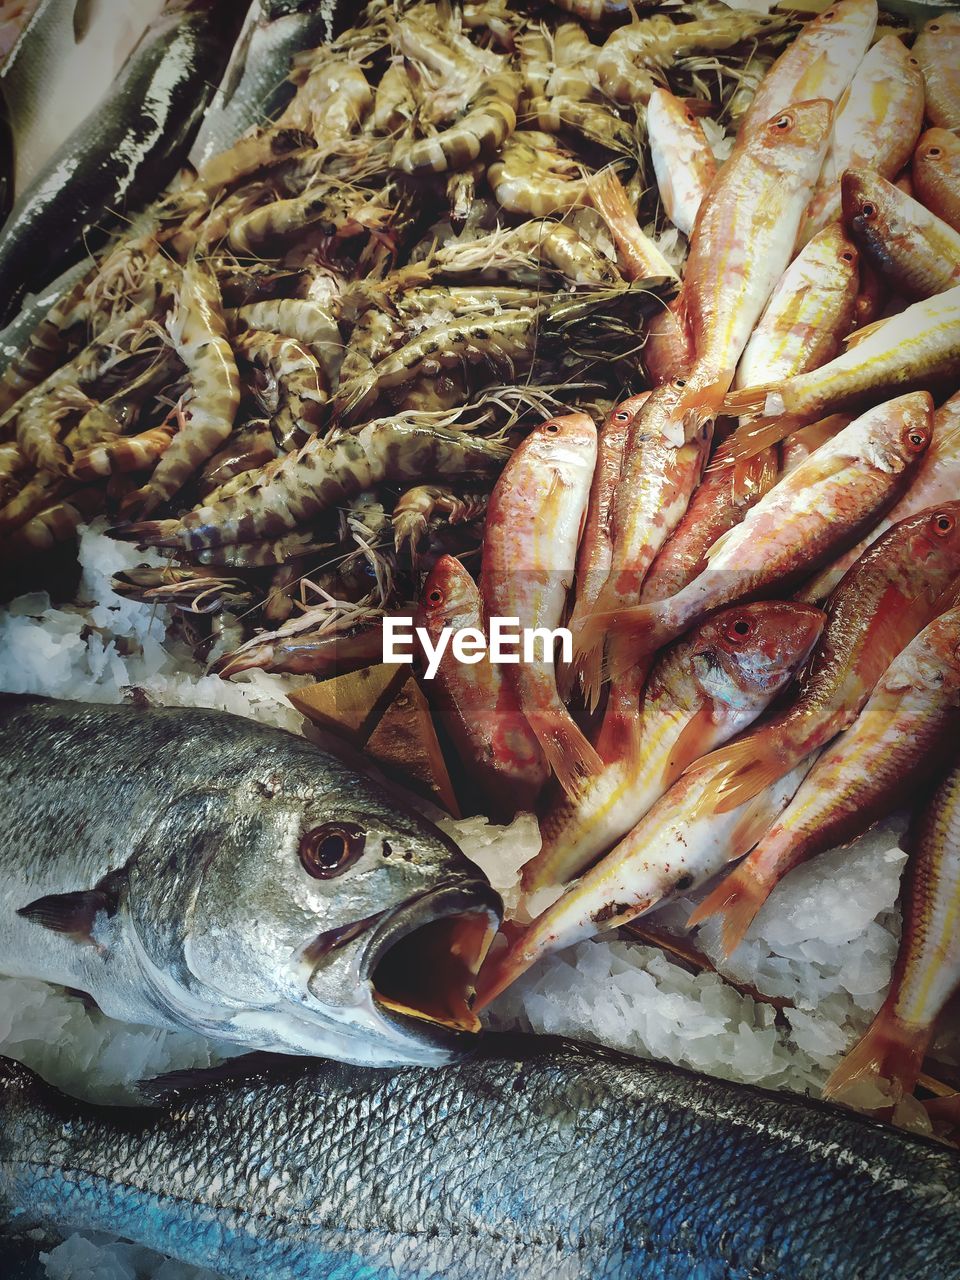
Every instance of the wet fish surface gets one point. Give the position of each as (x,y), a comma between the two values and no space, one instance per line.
(190,868)
(539,1159)
(125,152)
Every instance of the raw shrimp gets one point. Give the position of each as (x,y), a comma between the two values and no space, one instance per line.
(247,449)
(416,508)
(301,486)
(46,344)
(300,385)
(199,336)
(33,497)
(187,588)
(519,253)
(128,453)
(312,323)
(535,176)
(323,641)
(490,118)
(55,524)
(262,555)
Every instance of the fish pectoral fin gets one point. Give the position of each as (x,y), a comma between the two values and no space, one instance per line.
(74,914)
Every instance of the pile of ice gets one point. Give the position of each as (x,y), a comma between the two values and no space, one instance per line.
(824,943)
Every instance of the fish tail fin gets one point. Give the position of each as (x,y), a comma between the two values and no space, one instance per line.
(756,475)
(739,771)
(565,746)
(590,666)
(889,1050)
(648,627)
(737,899)
(747,399)
(754,438)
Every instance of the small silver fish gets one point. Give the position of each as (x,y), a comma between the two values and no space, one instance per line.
(188,868)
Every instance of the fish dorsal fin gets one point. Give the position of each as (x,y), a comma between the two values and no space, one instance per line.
(74,914)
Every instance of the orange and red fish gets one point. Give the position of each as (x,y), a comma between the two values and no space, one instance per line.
(534,521)
(476,703)
(912,716)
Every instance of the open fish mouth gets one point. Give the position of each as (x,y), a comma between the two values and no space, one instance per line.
(423,959)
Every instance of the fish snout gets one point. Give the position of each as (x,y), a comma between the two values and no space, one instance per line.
(420,961)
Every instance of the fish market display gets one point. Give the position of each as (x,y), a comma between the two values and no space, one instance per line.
(234,879)
(637,330)
(537,1159)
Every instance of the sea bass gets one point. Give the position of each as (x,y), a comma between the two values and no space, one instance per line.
(885,599)
(912,716)
(534,522)
(702,690)
(125,152)
(876,126)
(927,970)
(188,868)
(822,507)
(539,1160)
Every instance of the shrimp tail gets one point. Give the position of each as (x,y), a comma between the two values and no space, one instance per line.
(155,533)
(737,899)
(567,750)
(889,1050)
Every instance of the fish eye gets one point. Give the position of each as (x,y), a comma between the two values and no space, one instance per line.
(914,62)
(738,629)
(847,256)
(828,14)
(868,209)
(917,438)
(328,850)
(934,26)
(679,382)
(784,121)
(621,416)
(933,152)
(435,596)
(552,428)
(943,523)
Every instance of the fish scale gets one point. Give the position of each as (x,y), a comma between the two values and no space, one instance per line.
(537,1159)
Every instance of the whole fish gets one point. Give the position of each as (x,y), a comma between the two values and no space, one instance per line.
(125,152)
(188,868)
(656,481)
(742,244)
(478,706)
(937,481)
(675,848)
(911,717)
(539,1160)
(810,312)
(877,123)
(927,970)
(682,160)
(911,351)
(819,63)
(595,555)
(822,507)
(915,251)
(256,86)
(534,521)
(937,49)
(886,598)
(936,174)
(702,690)
(61,68)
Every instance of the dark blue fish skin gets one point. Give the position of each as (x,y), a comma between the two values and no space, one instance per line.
(125,152)
(537,1160)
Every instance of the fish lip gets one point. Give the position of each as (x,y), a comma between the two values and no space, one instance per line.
(451,901)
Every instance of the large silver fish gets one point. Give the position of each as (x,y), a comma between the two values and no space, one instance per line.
(540,1160)
(193,869)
